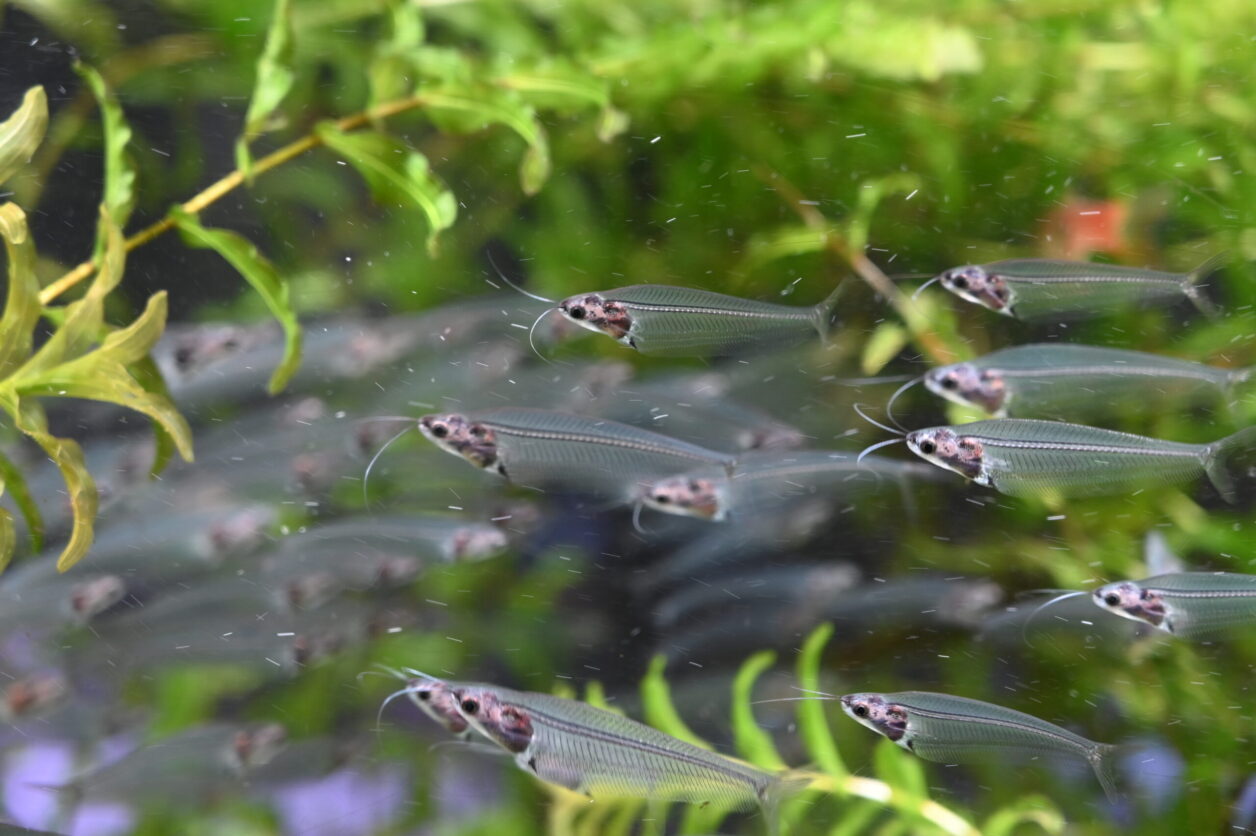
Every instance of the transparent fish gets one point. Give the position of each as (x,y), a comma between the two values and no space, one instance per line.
(763,482)
(790,585)
(1068,382)
(680,321)
(605,755)
(1189,605)
(1026,457)
(947,729)
(1033,288)
(60,602)
(539,448)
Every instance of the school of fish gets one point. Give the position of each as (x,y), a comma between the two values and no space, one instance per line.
(716,497)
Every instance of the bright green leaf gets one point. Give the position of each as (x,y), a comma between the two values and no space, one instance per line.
(658,708)
(900,770)
(275,77)
(766,247)
(813,726)
(396,174)
(22,132)
(148,376)
(1033,809)
(8,538)
(21,308)
(754,744)
(886,342)
(469,108)
(12,481)
(119,197)
(258,272)
(393,73)
(567,88)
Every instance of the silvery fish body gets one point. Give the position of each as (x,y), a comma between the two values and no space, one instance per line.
(949,729)
(1026,457)
(606,755)
(544,449)
(1035,288)
(680,321)
(1189,605)
(1069,382)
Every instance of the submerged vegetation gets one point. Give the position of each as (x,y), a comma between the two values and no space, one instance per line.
(384,177)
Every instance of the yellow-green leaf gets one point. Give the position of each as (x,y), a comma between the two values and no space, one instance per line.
(754,744)
(11,480)
(22,132)
(886,342)
(119,196)
(275,77)
(148,376)
(657,705)
(8,538)
(813,726)
(900,770)
(68,457)
(258,272)
(21,308)
(393,72)
(396,173)
(470,108)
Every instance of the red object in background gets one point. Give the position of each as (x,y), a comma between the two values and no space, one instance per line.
(1082,227)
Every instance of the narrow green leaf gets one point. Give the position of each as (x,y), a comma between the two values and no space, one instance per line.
(657,705)
(566,88)
(393,73)
(766,247)
(8,538)
(12,480)
(900,770)
(470,108)
(886,342)
(148,376)
(21,308)
(752,742)
(1034,809)
(259,273)
(857,817)
(397,174)
(813,726)
(22,132)
(119,197)
(102,375)
(68,457)
(275,77)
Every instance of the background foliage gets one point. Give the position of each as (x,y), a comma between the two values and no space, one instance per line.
(337,154)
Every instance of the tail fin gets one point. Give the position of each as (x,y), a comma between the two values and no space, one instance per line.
(1104,760)
(1193,285)
(824,311)
(784,787)
(1217,460)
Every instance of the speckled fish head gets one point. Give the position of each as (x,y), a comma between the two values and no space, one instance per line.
(1129,600)
(973,283)
(592,311)
(476,543)
(967,385)
(946,448)
(90,598)
(685,496)
(507,725)
(436,699)
(251,748)
(877,713)
(457,434)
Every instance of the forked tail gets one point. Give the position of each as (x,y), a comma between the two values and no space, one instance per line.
(823,316)
(1193,285)
(1104,759)
(783,787)
(1218,457)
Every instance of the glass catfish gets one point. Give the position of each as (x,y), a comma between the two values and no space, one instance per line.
(1024,457)
(948,729)
(1034,288)
(1189,605)
(1066,382)
(605,755)
(686,321)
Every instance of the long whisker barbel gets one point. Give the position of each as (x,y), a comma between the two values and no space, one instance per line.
(514,286)
(532,331)
(859,459)
(1041,607)
(366,475)
(920,289)
(889,406)
(859,410)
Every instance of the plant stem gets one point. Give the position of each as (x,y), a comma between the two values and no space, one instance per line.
(227,184)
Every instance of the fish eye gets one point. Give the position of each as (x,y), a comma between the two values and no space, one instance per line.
(960,282)
(470,706)
(662,498)
(423,696)
(1112,599)
(861,711)
(477,430)
(440,430)
(576,312)
(950,383)
(927,447)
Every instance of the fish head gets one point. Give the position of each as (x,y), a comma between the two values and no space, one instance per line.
(948,449)
(31,694)
(397,570)
(975,284)
(967,385)
(877,713)
(596,313)
(685,496)
(436,699)
(90,598)
(476,543)
(506,724)
(1129,600)
(254,747)
(457,434)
